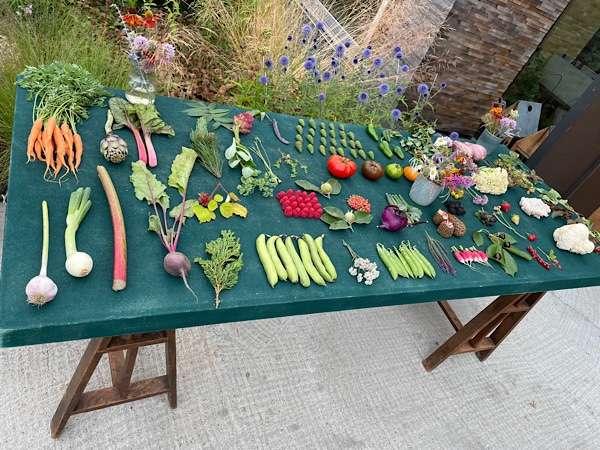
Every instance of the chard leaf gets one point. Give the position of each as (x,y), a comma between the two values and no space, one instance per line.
(181,169)
(119,108)
(147,186)
(150,120)
(187,212)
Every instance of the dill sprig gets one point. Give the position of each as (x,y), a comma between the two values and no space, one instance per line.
(205,144)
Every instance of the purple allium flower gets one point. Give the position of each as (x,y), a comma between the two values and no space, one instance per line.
(405,68)
(423,89)
(348,43)
(378,62)
(396,114)
(363,97)
(384,88)
(366,53)
(169,51)
(284,60)
(339,50)
(320,25)
(269,64)
(322,97)
(140,43)
(508,123)
(306,29)
(455,182)
(399,55)
(290,37)
(309,64)
(263,79)
(480,200)
(326,75)
(443,85)
(454,136)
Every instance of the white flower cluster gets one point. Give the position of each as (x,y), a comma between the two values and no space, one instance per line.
(443,142)
(364,270)
(491,180)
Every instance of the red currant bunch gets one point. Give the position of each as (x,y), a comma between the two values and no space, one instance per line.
(300,204)
(534,254)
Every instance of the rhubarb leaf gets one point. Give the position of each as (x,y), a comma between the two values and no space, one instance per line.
(147,186)
(181,169)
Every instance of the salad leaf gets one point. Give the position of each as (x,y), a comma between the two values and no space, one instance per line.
(182,168)
(147,186)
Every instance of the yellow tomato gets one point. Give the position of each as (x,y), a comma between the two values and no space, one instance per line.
(410,173)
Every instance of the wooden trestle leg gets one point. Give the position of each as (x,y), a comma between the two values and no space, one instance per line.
(484,333)
(122,352)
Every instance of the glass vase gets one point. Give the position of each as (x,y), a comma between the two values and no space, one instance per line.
(490,142)
(140,87)
(424,192)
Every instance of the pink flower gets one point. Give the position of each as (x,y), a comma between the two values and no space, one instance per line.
(244,121)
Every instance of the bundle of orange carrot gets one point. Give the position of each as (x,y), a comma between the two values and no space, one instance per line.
(61,94)
(58,146)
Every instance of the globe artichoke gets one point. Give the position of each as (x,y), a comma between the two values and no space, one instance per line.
(113,148)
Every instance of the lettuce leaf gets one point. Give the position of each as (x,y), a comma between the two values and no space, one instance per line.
(181,169)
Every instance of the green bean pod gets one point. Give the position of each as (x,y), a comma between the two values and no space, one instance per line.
(266,261)
(316,258)
(325,257)
(287,261)
(281,272)
(302,275)
(308,264)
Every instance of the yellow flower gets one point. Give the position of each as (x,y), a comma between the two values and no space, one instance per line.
(458,194)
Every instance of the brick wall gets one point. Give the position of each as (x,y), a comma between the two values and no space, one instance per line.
(574,29)
(489,43)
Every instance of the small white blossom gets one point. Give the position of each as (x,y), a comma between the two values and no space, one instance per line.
(353,271)
(368,282)
(359,277)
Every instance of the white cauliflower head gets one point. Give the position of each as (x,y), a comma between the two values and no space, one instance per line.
(574,238)
(534,207)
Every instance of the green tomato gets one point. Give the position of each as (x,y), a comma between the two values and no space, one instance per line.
(393,171)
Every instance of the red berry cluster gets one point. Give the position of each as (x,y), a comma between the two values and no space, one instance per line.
(300,204)
(597,249)
(545,264)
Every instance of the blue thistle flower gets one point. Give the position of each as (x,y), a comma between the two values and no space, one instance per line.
(269,64)
(334,63)
(355,61)
(306,29)
(399,55)
(443,85)
(309,64)
(322,97)
(381,75)
(284,60)
(423,89)
(320,25)
(312,58)
(326,76)
(399,90)
(384,88)
(378,62)
(397,49)
(454,136)
(395,114)
(363,97)
(263,79)
(347,44)
(366,53)
(405,68)
(339,50)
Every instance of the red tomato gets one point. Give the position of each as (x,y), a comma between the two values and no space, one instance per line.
(341,167)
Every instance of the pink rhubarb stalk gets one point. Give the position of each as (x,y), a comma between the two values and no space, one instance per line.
(152,160)
(142,155)
(119,236)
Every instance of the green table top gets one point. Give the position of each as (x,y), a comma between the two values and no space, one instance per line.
(153,300)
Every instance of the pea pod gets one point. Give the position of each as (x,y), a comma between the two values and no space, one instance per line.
(333,150)
(287,261)
(405,263)
(384,146)
(323,132)
(372,132)
(400,267)
(325,258)
(281,272)
(425,264)
(323,141)
(316,258)
(308,264)
(332,134)
(266,261)
(358,145)
(310,139)
(415,266)
(387,261)
(343,142)
(310,148)
(351,135)
(302,275)
(311,131)
(352,144)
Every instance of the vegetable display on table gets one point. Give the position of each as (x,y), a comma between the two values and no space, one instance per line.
(225,263)
(41,289)
(282,262)
(61,94)
(78,264)
(119,235)
(147,187)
